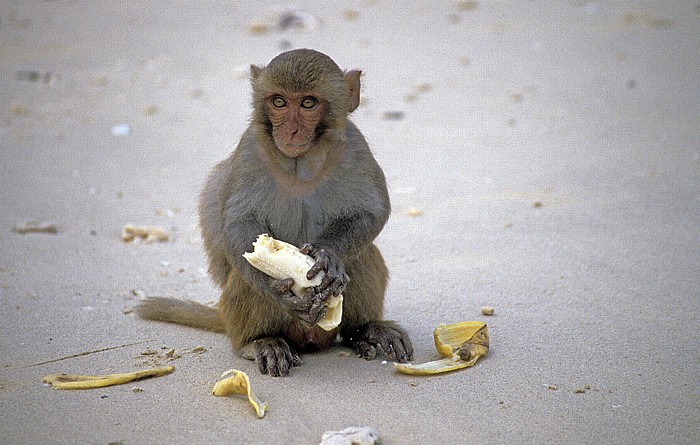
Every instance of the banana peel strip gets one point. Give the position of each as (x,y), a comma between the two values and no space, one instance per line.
(237,382)
(461,345)
(75,381)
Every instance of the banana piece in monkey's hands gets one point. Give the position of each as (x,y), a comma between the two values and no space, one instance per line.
(461,344)
(281,260)
(237,382)
(74,381)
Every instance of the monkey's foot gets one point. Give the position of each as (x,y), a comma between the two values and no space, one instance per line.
(387,335)
(272,355)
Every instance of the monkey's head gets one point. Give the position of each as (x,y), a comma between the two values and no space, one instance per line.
(300,96)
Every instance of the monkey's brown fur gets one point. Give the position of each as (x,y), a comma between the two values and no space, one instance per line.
(302,173)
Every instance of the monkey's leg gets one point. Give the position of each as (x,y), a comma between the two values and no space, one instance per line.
(255,326)
(363,328)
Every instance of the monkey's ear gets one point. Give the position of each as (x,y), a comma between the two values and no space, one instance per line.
(255,71)
(352,79)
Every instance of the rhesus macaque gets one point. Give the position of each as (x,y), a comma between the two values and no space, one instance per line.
(304,174)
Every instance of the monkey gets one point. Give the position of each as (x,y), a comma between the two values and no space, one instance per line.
(303,173)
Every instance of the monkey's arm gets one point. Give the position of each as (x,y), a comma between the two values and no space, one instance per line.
(342,238)
(360,200)
(346,236)
(364,209)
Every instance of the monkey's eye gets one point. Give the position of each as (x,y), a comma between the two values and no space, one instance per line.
(278,102)
(308,102)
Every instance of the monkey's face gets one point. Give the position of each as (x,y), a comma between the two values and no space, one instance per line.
(296,119)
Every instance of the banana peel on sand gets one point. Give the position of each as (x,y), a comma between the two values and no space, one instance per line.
(237,382)
(75,381)
(461,345)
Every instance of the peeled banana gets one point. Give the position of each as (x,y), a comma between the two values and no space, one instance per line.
(281,260)
(74,381)
(237,382)
(461,344)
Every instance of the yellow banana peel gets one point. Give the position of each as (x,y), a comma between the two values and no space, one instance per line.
(75,381)
(237,382)
(461,345)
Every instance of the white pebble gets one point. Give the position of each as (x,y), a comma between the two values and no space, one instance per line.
(121,130)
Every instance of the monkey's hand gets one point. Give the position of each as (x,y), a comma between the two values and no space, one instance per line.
(335,278)
(387,335)
(308,307)
(274,356)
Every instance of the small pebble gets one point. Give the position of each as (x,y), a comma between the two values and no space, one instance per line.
(487,310)
(394,115)
(414,212)
(27,76)
(351,15)
(121,130)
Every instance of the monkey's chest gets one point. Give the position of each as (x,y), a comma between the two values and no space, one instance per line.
(297,221)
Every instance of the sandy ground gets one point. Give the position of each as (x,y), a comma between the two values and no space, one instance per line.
(553,149)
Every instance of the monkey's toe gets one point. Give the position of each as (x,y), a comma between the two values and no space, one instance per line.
(274,356)
(388,336)
(364,350)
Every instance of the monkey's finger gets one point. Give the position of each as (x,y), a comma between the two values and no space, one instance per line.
(282,286)
(310,296)
(337,286)
(317,309)
(327,282)
(321,265)
(298,304)
(320,313)
(308,249)
(332,284)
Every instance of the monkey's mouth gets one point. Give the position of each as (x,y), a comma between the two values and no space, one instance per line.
(294,150)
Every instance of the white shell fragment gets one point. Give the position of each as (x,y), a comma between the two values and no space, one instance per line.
(363,435)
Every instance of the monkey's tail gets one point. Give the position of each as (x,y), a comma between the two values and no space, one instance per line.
(185,312)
